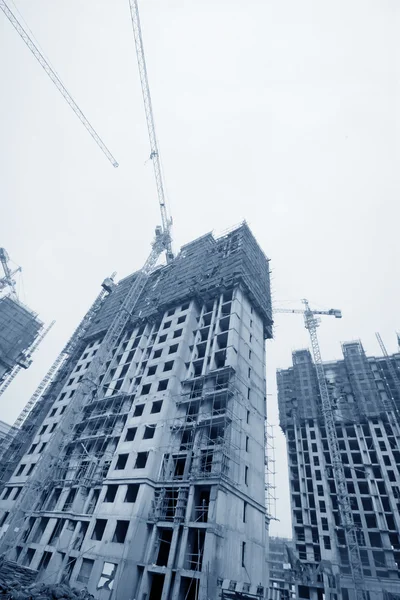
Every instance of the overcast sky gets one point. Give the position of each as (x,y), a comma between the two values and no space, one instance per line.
(282,112)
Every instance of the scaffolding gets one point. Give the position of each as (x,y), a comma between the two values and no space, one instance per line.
(206,435)
(205,439)
(13,445)
(270,487)
(19,327)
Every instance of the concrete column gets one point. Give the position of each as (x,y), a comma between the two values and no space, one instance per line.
(171,560)
(182,551)
(151,544)
(177,585)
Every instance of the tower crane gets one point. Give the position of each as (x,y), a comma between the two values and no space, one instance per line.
(56,80)
(45,468)
(166,221)
(311,322)
(7,280)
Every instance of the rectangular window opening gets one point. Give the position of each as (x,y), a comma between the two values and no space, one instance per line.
(120,532)
(98,530)
(141,460)
(131,492)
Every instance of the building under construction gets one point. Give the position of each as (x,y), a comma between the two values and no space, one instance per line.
(365,395)
(281,576)
(153,486)
(19,326)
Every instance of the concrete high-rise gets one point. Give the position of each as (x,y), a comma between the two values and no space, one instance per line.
(366,402)
(159,490)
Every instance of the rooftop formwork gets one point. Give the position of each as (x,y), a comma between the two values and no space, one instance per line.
(201,267)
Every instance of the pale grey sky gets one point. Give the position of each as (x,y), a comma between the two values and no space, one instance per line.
(283,112)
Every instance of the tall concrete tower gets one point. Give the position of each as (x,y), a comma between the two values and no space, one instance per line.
(159,490)
(367,402)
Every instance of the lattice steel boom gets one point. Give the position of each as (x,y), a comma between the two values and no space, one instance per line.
(166,221)
(347,521)
(56,80)
(7,281)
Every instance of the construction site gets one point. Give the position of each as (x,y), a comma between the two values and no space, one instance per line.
(142,466)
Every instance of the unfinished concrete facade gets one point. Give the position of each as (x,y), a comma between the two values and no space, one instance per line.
(281,576)
(159,491)
(366,399)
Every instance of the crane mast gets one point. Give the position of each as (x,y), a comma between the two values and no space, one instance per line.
(166,221)
(56,80)
(311,323)
(7,280)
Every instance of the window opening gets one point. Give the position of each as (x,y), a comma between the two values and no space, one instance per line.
(132,492)
(111,493)
(98,530)
(120,532)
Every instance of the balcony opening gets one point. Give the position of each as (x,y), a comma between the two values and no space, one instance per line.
(201,504)
(53,500)
(195,549)
(157,584)
(40,529)
(85,570)
(189,589)
(93,502)
(206,461)
(220,358)
(28,557)
(187,439)
(56,532)
(69,501)
(44,561)
(81,535)
(69,567)
(165,539)
(179,467)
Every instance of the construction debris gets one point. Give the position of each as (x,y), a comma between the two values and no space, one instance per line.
(17,583)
